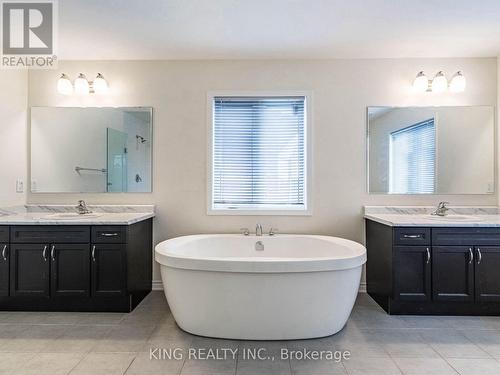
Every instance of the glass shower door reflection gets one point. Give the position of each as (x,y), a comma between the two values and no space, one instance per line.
(117,161)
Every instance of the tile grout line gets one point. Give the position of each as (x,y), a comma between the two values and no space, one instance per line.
(80,361)
(344,367)
(289,360)
(182,367)
(453,367)
(441,356)
(237,359)
(396,364)
(130,364)
(391,358)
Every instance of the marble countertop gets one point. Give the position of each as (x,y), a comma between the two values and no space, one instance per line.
(402,216)
(102,215)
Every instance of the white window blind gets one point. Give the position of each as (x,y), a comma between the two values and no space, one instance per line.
(259,153)
(413,159)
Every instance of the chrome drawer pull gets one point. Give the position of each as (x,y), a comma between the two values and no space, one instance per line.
(93,253)
(44,253)
(53,252)
(412,236)
(4,252)
(428,255)
(479,256)
(109,234)
(471,255)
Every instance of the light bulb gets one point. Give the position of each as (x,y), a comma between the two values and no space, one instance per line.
(82,85)
(439,83)
(458,82)
(421,82)
(100,84)
(64,85)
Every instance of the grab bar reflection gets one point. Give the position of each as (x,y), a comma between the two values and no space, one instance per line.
(103,170)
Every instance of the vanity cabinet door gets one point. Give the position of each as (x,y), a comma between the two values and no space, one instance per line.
(108,264)
(453,273)
(4,269)
(412,273)
(487,274)
(29,270)
(70,269)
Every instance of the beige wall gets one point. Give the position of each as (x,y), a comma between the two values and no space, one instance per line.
(13,144)
(342,89)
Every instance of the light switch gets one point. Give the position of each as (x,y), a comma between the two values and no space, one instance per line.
(19,186)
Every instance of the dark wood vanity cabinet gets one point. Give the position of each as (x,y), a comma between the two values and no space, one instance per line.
(413,270)
(4,261)
(453,273)
(487,274)
(412,273)
(45,270)
(108,270)
(75,268)
(70,270)
(4,269)
(29,270)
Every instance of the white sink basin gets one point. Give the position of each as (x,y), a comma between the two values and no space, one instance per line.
(69,216)
(455,218)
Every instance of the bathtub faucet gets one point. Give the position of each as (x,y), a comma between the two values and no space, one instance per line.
(258,230)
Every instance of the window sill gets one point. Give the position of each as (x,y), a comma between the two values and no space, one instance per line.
(258,212)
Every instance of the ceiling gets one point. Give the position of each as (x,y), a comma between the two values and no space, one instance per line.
(291,29)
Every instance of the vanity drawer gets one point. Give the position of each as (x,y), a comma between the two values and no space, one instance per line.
(50,234)
(4,234)
(412,236)
(109,234)
(466,236)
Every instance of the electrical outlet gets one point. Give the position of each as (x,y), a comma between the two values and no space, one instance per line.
(19,186)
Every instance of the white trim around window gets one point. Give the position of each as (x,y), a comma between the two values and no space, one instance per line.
(306,209)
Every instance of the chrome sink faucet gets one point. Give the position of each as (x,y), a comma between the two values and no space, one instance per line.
(441,209)
(258,230)
(82,208)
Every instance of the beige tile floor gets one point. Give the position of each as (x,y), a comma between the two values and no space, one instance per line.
(95,343)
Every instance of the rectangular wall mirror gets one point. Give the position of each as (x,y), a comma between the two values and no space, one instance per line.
(91,150)
(431,150)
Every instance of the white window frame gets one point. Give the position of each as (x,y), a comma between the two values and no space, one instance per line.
(307,210)
(435,123)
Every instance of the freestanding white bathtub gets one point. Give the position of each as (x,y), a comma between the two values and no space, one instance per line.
(226,286)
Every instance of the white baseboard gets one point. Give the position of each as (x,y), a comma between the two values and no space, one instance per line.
(158,285)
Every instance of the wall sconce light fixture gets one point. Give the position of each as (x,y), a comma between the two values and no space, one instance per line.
(439,83)
(82,86)
(64,85)
(458,82)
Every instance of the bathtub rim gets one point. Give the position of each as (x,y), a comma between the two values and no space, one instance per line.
(261,264)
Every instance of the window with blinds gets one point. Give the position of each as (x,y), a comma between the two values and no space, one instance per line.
(259,153)
(413,159)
